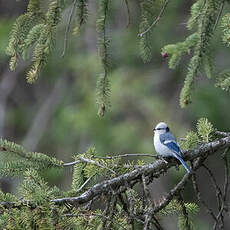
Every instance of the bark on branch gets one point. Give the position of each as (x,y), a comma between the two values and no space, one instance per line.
(151,170)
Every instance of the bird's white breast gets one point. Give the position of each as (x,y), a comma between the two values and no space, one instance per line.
(160,148)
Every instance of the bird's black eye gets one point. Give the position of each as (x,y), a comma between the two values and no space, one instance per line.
(167,129)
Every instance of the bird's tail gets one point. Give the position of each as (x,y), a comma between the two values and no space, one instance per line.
(182,162)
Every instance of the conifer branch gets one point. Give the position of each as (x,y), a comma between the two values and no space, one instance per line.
(128,155)
(83,159)
(151,169)
(103,85)
(156,20)
(128,12)
(219,14)
(68,26)
(120,190)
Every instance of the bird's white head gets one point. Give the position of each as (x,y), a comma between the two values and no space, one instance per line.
(161,128)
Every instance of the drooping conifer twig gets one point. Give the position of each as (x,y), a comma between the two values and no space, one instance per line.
(68,26)
(184,211)
(128,12)
(156,20)
(219,14)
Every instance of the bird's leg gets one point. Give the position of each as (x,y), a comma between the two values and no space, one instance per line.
(162,158)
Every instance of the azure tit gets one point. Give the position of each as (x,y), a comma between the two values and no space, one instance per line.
(166,145)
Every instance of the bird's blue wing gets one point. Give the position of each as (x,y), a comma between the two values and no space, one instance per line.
(172,145)
(176,153)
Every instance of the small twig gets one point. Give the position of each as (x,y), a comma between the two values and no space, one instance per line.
(219,14)
(89,161)
(68,27)
(148,213)
(215,185)
(128,155)
(184,211)
(130,202)
(156,20)
(198,15)
(130,199)
(128,12)
(146,190)
(111,214)
(197,191)
(113,157)
(84,214)
(226,175)
(72,163)
(225,190)
(172,192)
(96,163)
(84,184)
(106,213)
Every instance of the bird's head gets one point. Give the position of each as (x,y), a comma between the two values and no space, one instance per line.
(161,128)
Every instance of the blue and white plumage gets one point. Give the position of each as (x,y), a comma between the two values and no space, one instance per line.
(166,145)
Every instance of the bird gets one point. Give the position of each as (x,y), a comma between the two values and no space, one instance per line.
(165,144)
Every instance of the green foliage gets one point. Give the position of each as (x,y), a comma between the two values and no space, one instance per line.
(103,86)
(204,15)
(205,31)
(31,38)
(103,93)
(190,141)
(45,42)
(20,29)
(34,188)
(7,197)
(147,15)
(225,24)
(175,208)
(18,160)
(34,29)
(78,179)
(38,214)
(81,13)
(195,14)
(175,51)
(223,80)
(208,65)
(18,34)
(204,129)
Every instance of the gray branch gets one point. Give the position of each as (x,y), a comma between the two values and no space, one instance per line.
(118,184)
(153,170)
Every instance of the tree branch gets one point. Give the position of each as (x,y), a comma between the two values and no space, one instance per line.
(157,18)
(118,184)
(148,170)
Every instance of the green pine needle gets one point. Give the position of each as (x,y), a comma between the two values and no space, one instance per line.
(205,129)
(223,80)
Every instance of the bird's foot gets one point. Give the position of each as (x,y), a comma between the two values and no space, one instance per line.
(163,159)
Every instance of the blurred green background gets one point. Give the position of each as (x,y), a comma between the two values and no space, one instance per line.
(58,114)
